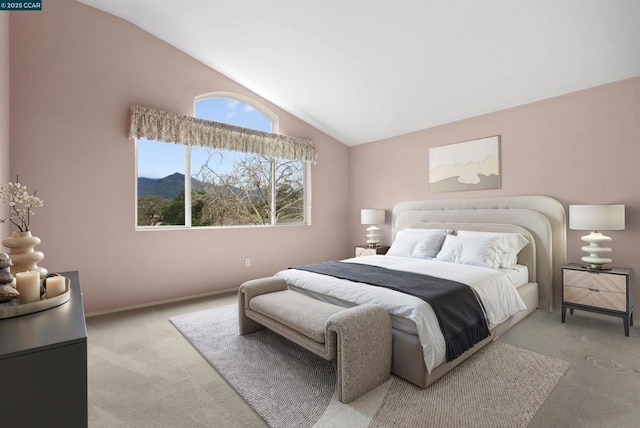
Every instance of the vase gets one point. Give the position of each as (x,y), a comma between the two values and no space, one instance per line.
(22,254)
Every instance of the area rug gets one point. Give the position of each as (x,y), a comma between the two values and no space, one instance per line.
(500,386)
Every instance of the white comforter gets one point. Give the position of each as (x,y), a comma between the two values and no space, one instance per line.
(498,295)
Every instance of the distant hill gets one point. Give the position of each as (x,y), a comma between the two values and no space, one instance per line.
(168,187)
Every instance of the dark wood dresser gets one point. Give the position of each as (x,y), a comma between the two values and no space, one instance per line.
(43,366)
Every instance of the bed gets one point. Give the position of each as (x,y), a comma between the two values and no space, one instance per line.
(419,354)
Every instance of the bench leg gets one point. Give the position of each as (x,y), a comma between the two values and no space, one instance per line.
(363,350)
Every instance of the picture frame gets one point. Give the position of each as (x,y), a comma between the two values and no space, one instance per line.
(468,165)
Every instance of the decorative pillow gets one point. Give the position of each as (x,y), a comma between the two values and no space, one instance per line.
(429,244)
(471,250)
(418,243)
(510,244)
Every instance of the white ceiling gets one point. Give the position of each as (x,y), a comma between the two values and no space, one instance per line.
(367,70)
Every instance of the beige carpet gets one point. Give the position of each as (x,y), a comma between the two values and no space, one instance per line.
(500,386)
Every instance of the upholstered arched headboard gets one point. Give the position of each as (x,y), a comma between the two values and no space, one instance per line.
(541,216)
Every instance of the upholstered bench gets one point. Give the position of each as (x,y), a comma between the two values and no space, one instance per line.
(358,338)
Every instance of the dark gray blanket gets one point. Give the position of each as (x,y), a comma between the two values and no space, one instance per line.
(456,306)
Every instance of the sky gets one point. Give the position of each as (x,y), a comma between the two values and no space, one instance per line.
(157,160)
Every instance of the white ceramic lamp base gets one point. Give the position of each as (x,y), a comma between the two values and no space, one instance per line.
(373,236)
(596,250)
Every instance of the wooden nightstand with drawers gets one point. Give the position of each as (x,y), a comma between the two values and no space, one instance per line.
(364,250)
(607,292)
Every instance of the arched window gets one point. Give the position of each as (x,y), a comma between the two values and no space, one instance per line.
(226,188)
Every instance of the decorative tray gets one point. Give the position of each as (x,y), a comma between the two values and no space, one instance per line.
(13,308)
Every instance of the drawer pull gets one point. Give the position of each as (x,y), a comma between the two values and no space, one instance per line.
(594,289)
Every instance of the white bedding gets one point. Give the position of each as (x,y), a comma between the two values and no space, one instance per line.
(518,275)
(495,288)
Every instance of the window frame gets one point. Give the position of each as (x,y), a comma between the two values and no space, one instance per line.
(275,127)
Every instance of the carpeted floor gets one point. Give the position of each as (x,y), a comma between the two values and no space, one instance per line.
(501,386)
(143,373)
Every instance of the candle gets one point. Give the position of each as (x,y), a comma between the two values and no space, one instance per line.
(28,285)
(55,285)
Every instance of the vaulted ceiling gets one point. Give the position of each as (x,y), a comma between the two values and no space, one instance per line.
(367,70)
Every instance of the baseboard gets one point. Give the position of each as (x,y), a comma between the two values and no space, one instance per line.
(159,302)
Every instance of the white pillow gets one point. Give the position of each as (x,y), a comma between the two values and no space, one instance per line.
(510,244)
(429,244)
(417,243)
(471,250)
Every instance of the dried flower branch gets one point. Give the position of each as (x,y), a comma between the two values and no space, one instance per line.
(21,204)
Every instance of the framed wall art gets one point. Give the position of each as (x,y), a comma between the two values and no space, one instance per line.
(470,165)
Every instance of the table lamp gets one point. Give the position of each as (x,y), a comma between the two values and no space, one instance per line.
(373,217)
(596,218)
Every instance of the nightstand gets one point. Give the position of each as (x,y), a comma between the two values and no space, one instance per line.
(365,250)
(607,292)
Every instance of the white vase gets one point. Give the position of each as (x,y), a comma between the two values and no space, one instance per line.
(22,254)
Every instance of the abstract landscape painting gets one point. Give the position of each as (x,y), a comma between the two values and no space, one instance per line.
(470,165)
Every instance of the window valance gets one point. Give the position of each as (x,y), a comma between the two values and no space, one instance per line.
(169,127)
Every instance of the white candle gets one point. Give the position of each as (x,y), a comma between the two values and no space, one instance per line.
(55,286)
(28,285)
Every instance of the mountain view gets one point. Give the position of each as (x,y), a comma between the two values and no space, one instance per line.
(171,186)
(168,187)
(161,201)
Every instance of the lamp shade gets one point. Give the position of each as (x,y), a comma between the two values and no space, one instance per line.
(372,216)
(596,217)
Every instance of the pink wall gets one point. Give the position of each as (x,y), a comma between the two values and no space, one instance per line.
(579,148)
(4,112)
(75,72)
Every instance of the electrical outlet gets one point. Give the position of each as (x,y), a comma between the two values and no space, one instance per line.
(247,262)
